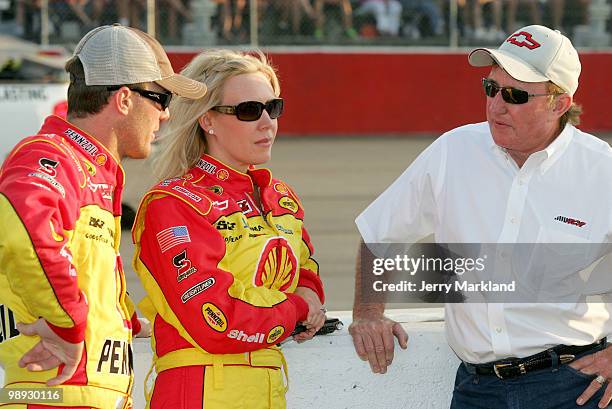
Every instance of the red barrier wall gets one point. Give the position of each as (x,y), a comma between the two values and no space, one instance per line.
(378,93)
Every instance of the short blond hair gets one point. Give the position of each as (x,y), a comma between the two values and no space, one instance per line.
(572,115)
(184,141)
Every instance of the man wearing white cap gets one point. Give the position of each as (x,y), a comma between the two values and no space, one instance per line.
(527,175)
(62,287)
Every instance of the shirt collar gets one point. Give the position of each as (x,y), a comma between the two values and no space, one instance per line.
(221,173)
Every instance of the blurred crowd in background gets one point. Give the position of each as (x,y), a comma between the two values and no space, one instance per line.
(308,22)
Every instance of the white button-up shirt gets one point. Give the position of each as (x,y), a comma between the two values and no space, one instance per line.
(465,189)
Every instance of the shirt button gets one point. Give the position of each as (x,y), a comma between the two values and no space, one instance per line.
(512,220)
(521,183)
(498,330)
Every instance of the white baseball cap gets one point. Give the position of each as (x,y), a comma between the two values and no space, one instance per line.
(534,54)
(119,55)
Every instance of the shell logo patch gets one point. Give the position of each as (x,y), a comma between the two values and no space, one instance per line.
(222,174)
(274,334)
(214,317)
(281,188)
(101,159)
(289,204)
(277,265)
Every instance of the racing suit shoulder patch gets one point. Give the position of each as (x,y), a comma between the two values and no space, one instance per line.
(185,191)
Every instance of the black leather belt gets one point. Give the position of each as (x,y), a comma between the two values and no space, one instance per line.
(513,367)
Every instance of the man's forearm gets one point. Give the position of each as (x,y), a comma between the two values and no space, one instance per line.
(363,309)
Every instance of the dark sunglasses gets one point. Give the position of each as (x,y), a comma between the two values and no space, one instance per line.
(252,110)
(509,94)
(162,98)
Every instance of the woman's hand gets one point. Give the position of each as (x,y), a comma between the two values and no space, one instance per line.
(316,314)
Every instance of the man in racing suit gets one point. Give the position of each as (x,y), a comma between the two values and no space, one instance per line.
(220,254)
(66,317)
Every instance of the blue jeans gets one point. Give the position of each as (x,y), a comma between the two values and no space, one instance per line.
(544,389)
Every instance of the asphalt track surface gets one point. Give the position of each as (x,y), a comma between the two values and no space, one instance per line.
(336,178)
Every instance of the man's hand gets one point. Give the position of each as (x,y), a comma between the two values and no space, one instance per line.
(373,340)
(316,314)
(50,352)
(599,363)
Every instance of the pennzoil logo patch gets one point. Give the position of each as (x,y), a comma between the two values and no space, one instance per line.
(206,166)
(214,317)
(289,204)
(274,334)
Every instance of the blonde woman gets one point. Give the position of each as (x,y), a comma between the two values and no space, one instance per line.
(221,247)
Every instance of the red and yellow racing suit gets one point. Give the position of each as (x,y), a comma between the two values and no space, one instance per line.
(219,274)
(60,206)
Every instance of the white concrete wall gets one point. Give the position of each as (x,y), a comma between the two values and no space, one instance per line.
(326,372)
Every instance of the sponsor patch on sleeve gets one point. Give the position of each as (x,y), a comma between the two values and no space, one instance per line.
(214,317)
(197,289)
(172,236)
(187,193)
(289,204)
(274,334)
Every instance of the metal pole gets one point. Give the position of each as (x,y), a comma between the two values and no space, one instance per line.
(151,17)
(254,24)
(453,29)
(44,23)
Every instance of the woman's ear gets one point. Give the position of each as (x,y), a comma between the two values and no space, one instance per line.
(205,122)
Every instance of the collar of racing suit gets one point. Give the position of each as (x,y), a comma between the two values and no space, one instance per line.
(98,158)
(209,167)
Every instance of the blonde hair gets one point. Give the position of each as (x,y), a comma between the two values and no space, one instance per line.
(572,115)
(184,141)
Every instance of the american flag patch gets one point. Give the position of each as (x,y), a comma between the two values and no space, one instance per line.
(172,236)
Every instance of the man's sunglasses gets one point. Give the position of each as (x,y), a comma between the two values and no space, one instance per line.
(509,94)
(162,98)
(252,110)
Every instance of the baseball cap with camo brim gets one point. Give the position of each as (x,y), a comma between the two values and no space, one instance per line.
(120,55)
(534,54)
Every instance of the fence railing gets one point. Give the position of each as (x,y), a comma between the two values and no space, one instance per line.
(265,23)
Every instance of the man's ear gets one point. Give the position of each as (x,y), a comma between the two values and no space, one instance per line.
(563,103)
(205,122)
(121,100)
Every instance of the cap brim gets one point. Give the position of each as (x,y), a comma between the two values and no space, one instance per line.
(515,67)
(183,86)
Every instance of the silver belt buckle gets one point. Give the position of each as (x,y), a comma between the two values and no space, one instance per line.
(496,369)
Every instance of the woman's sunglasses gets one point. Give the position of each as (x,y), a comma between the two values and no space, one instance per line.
(509,94)
(252,110)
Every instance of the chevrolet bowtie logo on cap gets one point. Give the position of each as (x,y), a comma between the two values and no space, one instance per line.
(523,39)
